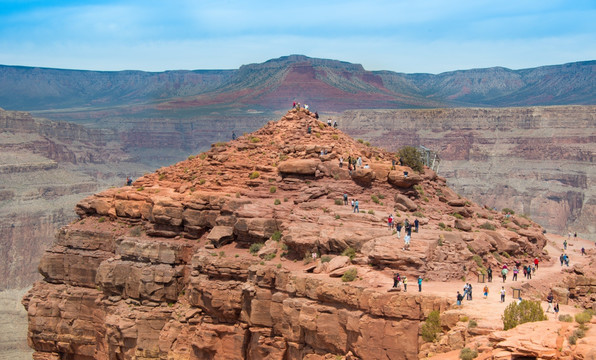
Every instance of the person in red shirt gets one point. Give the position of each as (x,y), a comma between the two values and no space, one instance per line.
(536,262)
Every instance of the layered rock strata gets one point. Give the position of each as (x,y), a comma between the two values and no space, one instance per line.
(211,258)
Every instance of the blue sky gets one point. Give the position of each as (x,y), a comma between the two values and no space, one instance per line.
(399,35)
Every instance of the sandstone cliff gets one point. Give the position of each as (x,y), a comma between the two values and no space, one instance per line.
(537,161)
(211,258)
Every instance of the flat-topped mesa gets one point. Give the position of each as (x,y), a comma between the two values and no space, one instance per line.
(199,260)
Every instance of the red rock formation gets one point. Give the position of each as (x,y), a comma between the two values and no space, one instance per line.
(163,269)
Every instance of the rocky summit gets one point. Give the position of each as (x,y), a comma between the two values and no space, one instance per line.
(248,251)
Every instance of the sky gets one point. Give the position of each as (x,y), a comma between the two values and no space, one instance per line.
(430,36)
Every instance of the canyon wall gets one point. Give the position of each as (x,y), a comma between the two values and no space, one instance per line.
(537,161)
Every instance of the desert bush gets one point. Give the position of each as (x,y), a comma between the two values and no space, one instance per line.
(507,210)
(361,141)
(419,189)
(321,125)
(272,189)
(418,214)
(583,317)
(254,175)
(487,226)
(457,216)
(276,235)
(410,156)
(334,137)
(270,257)
(254,139)
(375,199)
(349,275)
(572,339)
(497,257)
(565,318)
(526,311)
(325,258)
(478,260)
(442,225)
(349,252)
(101,219)
(468,354)
(190,157)
(472,324)
(432,326)
(372,212)
(202,156)
(276,202)
(255,247)
(337,217)
(339,202)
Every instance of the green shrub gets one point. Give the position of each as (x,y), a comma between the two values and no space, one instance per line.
(457,216)
(255,248)
(497,257)
(276,202)
(381,196)
(325,258)
(418,214)
(566,318)
(222,254)
(468,354)
(432,326)
(419,189)
(361,141)
(339,202)
(272,189)
(321,125)
(487,226)
(572,340)
(334,137)
(349,275)
(506,254)
(478,260)
(101,219)
(410,156)
(526,311)
(254,139)
(442,225)
(202,181)
(471,249)
(372,212)
(349,252)
(579,333)
(507,210)
(583,317)
(366,143)
(202,156)
(190,157)
(254,175)
(276,235)
(278,266)
(141,188)
(270,256)
(472,324)
(337,217)
(375,199)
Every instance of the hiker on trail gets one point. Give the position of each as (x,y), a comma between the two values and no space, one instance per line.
(420,283)
(489,272)
(549,300)
(360,161)
(294,105)
(407,239)
(460,297)
(504,273)
(583,251)
(466,289)
(349,161)
(356,210)
(565,245)
(416,224)
(329,122)
(469,291)
(335,124)
(536,262)
(556,309)
(233,135)
(519,300)
(353,205)
(396,280)
(566,259)
(346,198)
(398,228)
(316,115)
(485,291)
(408,234)
(503,294)
(575,234)
(529,272)
(308,130)
(341,162)
(128,181)
(405,284)
(390,221)
(562,259)
(515,271)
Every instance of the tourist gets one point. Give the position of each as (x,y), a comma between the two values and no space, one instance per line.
(346,199)
(502,294)
(416,224)
(233,135)
(469,296)
(316,115)
(536,262)
(529,272)
(460,297)
(489,272)
(515,271)
(128,181)
(562,259)
(504,273)
(341,162)
(359,161)
(549,300)
(308,130)
(353,205)
(485,291)
(335,124)
(405,284)
(390,221)
(398,228)
(396,280)
(556,309)
(519,300)
(583,251)
(566,259)
(407,242)
(420,283)
(565,245)
(525,271)
(356,210)
(329,122)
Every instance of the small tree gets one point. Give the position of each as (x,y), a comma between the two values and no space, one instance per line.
(410,156)
(526,311)
(432,326)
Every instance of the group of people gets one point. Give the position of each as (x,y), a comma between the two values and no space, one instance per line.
(564,259)
(398,281)
(526,270)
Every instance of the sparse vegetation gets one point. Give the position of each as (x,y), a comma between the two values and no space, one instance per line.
(190,157)
(441,240)
(372,212)
(361,141)
(418,214)
(337,217)
(367,143)
(255,248)
(457,216)
(410,156)
(254,139)
(276,202)
(202,156)
(583,317)
(141,188)
(432,326)
(272,190)
(442,225)
(325,258)
(526,311)
(269,257)
(419,189)
(202,181)
(253,175)
(276,236)
(468,354)
(478,260)
(339,202)
(487,226)
(508,210)
(334,137)
(349,252)
(472,324)
(497,257)
(101,219)
(375,199)
(349,275)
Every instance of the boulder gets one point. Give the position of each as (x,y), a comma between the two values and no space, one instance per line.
(363,176)
(298,166)
(268,249)
(407,203)
(337,263)
(462,225)
(221,235)
(397,178)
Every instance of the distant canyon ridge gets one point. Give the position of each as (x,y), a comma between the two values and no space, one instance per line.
(522,139)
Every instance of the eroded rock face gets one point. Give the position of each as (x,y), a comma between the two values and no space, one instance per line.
(142,263)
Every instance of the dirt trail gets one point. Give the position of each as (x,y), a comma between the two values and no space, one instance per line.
(487,312)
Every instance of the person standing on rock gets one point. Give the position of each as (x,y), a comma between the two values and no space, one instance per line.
(356,210)
(390,221)
(416,224)
(405,284)
(345,198)
(419,283)
(565,245)
(469,297)
(353,205)
(515,271)
(398,228)
(460,297)
(562,259)
(549,300)
(583,252)
(489,272)
(396,280)
(359,161)
(503,294)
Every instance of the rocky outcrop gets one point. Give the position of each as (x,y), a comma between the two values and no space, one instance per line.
(211,258)
(535,161)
